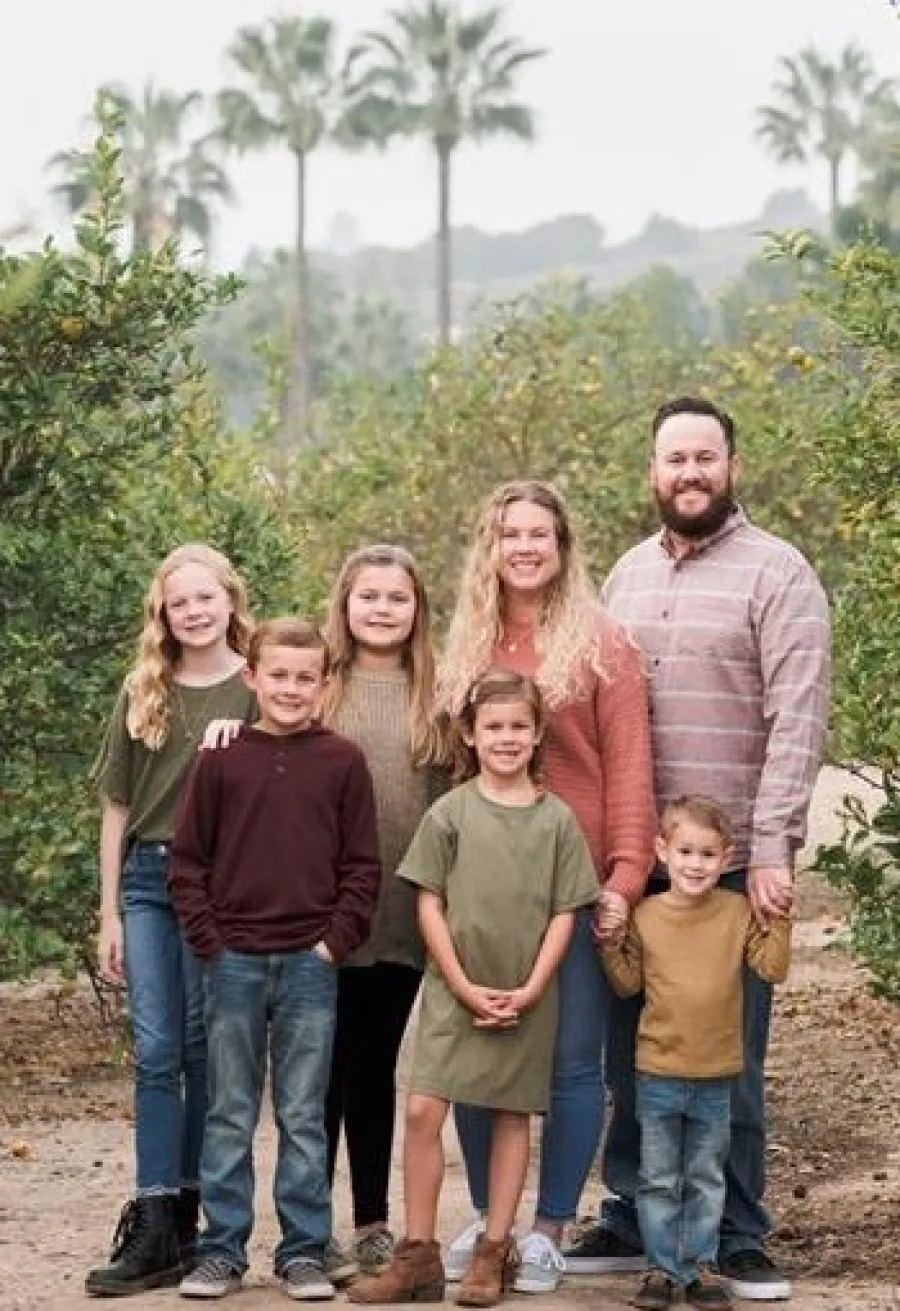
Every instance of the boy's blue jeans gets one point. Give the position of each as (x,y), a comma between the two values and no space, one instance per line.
(283,1005)
(165,1003)
(745,1221)
(685,1130)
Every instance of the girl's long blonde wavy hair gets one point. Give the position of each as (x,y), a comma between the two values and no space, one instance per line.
(149,683)
(573,637)
(417,656)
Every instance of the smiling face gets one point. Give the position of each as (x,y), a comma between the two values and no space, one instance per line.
(504,737)
(381,608)
(527,548)
(197,607)
(692,475)
(288,682)
(695,857)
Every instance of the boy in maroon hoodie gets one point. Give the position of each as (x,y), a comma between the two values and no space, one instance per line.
(274,875)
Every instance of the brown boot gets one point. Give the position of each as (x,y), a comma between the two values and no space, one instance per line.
(416,1274)
(491,1271)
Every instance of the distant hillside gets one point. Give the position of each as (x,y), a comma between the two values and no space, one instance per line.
(494,265)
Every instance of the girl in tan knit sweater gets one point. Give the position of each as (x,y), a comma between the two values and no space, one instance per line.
(381,696)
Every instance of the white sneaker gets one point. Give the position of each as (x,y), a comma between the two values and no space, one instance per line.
(212,1277)
(542,1265)
(461,1250)
(305,1280)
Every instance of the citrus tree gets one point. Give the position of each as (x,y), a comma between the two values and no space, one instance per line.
(857,415)
(110,454)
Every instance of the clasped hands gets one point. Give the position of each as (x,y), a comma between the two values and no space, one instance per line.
(496,1008)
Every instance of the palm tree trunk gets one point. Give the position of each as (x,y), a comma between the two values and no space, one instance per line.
(834,191)
(444,260)
(300,424)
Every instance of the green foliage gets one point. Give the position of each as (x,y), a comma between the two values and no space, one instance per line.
(856,409)
(866,865)
(109,456)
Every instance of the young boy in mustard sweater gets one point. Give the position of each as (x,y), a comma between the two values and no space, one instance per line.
(686,950)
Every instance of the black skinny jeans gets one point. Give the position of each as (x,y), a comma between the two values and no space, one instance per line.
(373,1006)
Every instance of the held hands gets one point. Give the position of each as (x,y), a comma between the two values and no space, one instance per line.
(110,949)
(771,892)
(610,917)
(220,733)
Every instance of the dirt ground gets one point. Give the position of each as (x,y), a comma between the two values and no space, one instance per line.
(834,1145)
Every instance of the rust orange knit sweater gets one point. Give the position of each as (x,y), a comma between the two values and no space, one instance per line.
(597,759)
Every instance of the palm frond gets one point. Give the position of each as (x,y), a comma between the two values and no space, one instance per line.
(242,124)
(502,120)
(783,133)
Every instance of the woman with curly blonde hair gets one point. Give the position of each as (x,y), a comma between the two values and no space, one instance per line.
(525,604)
(188,671)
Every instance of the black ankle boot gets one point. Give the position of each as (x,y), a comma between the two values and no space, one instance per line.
(187,1217)
(144,1252)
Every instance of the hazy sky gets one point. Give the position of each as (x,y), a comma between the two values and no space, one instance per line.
(642,106)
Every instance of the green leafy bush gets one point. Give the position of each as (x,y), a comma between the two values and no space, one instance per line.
(856,410)
(110,454)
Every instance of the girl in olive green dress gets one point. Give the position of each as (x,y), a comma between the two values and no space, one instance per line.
(501,867)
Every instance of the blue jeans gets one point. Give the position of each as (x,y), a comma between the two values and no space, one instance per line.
(685,1128)
(574,1121)
(165,1002)
(745,1221)
(283,1004)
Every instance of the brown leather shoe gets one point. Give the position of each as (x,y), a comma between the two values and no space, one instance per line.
(416,1274)
(491,1271)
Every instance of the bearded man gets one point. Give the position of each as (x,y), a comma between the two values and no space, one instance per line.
(733,625)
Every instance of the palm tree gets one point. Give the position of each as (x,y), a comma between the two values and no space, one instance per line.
(297,95)
(450,79)
(879,154)
(819,110)
(169,191)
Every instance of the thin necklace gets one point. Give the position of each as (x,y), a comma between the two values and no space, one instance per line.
(197,723)
(514,633)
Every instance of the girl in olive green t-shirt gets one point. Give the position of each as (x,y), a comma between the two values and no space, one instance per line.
(188,671)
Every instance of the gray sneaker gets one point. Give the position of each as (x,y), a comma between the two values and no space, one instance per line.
(211,1278)
(305,1280)
(542,1265)
(340,1266)
(374,1250)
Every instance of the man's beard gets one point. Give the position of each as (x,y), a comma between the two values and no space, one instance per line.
(697,526)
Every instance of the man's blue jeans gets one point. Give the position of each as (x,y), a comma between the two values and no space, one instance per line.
(165,1003)
(572,1126)
(685,1128)
(745,1221)
(283,1005)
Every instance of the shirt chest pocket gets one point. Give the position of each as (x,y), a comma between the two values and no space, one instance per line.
(717,631)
